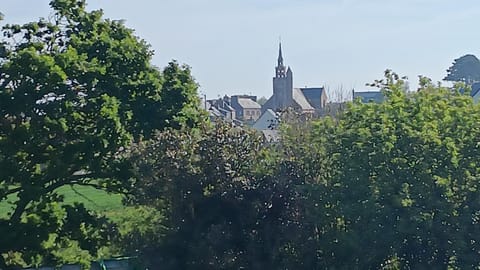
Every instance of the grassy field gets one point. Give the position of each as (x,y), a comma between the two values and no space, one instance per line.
(97,200)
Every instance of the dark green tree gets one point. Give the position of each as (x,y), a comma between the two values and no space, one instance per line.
(226,209)
(465,69)
(74,92)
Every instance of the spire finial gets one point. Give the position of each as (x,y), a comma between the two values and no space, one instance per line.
(280,56)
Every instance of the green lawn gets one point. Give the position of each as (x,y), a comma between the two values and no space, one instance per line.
(93,199)
(97,200)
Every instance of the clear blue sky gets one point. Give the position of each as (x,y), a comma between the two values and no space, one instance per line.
(231,45)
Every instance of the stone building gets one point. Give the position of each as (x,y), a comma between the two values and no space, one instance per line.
(246,107)
(304,100)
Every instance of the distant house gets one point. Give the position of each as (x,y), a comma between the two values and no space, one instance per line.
(246,107)
(267,124)
(368,96)
(304,100)
(238,109)
(268,120)
(220,108)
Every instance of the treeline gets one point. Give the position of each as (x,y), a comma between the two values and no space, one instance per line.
(383,186)
(379,186)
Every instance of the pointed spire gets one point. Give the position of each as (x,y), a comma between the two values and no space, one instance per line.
(280,69)
(280,57)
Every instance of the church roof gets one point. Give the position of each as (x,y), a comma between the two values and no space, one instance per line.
(315,96)
(300,99)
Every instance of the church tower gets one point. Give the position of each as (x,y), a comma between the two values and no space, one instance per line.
(282,83)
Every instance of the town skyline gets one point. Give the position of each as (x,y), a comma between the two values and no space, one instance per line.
(232,47)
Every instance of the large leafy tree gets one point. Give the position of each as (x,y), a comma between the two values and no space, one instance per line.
(74,91)
(402,190)
(465,69)
(225,206)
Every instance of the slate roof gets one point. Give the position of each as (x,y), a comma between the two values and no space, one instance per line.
(247,103)
(300,99)
(314,95)
(475,89)
(268,120)
(215,112)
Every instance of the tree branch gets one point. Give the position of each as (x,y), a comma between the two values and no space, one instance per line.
(12,191)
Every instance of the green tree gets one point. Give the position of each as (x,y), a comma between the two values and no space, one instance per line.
(74,92)
(402,186)
(465,69)
(262,100)
(226,209)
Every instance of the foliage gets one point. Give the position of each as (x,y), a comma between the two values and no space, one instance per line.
(464,69)
(392,185)
(403,182)
(74,92)
(225,208)
(262,100)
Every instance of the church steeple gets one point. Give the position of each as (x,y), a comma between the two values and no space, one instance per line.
(280,57)
(280,70)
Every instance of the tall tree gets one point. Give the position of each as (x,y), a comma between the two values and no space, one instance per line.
(226,207)
(402,187)
(74,92)
(464,69)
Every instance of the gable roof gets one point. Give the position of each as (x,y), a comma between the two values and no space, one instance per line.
(247,103)
(300,99)
(268,120)
(315,96)
(312,92)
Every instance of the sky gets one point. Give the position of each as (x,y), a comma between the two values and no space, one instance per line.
(232,45)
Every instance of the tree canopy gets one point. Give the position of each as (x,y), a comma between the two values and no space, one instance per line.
(404,181)
(392,185)
(75,91)
(465,69)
